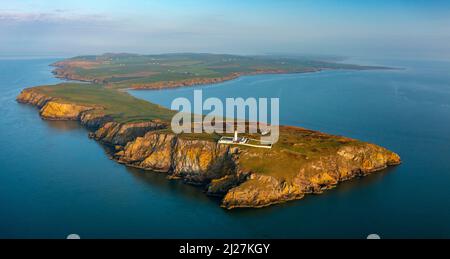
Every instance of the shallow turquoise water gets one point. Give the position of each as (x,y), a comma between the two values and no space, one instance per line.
(56,181)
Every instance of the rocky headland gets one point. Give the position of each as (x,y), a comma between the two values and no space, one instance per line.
(242,176)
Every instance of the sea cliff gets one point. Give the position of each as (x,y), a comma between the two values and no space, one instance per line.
(242,176)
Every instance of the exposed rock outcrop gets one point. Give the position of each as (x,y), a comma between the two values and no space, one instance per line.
(53,108)
(114,133)
(195,161)
(152,151)
(313,177)
(33,97)
(205,80)
(93,120)
(148,146)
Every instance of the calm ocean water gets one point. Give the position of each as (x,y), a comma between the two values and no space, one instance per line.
(55,181)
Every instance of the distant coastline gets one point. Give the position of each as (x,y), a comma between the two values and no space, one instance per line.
(69,69)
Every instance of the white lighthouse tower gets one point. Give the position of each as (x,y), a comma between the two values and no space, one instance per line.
(235,139)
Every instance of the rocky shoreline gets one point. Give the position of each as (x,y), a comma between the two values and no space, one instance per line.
(63,70)
(151,146)
(206,81)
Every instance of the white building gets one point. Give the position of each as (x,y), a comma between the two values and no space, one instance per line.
(236,140)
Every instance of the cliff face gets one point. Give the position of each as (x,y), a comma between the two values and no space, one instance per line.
(94,119)
(312,177)
(33,97)
(206,80)
(194,161)
(113,133)
(52,108)
(67,72)
(218,168)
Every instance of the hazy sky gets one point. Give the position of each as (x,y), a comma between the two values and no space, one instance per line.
(414,29)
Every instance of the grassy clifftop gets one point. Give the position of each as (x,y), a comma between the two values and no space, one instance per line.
(120,105)
(175,70)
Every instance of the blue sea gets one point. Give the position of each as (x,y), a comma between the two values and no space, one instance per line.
(55,181)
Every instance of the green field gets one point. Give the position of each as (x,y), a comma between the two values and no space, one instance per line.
(120,105)
(126,70)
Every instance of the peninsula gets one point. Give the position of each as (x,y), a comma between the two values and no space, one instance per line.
(138,133)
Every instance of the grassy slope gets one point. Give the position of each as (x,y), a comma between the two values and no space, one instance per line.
(295,147)
(122,106)
(123,70)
